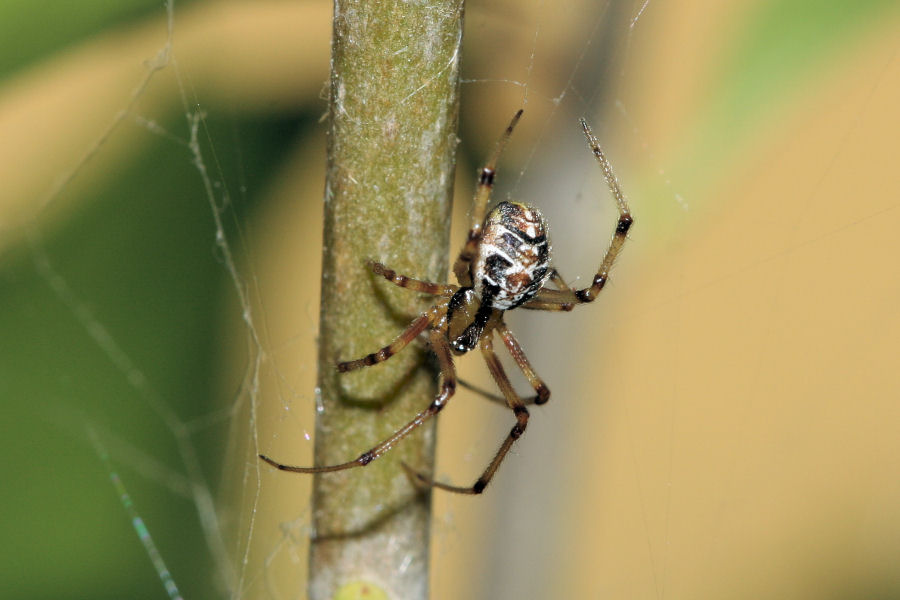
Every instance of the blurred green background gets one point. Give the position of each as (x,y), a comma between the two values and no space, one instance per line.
(774,123)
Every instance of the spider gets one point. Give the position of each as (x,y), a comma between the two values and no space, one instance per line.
(505,264)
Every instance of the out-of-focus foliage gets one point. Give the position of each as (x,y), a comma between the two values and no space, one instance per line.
(722,422)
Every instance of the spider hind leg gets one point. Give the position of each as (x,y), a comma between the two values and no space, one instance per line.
(519,410)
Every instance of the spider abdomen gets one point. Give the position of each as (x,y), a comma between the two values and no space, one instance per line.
(513,259)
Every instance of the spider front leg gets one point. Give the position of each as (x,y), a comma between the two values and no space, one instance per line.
(479,206)
(566,298)
(448,386)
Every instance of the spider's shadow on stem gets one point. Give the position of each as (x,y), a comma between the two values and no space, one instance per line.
(425,357)
(383,518)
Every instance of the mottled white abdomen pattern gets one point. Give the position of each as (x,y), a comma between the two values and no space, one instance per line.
(513,260)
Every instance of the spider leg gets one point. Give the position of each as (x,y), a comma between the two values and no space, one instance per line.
(479,206)
(448,387)
(515,350)
(416,285)
(418,325)
(518,408)
(557,279)
(558,299)
(566,298)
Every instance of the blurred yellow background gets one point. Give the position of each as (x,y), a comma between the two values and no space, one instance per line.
(724,418)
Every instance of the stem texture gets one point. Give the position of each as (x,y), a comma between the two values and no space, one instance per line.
(392,141)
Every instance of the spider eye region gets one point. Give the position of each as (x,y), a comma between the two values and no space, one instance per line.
(513,259)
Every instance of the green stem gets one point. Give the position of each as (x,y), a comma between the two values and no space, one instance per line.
(393,119)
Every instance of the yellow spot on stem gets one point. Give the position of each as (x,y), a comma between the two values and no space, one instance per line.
(360,590)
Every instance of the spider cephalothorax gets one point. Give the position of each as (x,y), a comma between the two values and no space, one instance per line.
(505,264)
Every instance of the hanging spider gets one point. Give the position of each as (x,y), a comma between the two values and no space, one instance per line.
(505,264)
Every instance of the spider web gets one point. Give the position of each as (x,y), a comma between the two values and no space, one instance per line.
(160,304)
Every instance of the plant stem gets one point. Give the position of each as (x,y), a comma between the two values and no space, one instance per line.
(393,118)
